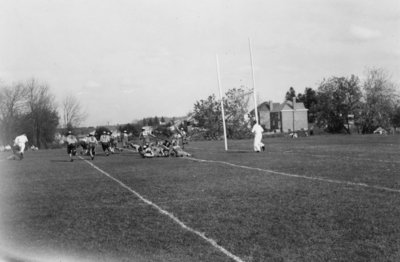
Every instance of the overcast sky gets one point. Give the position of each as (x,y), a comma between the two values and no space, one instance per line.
(131,59)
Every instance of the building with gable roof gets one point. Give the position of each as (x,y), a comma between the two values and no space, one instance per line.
(286,117)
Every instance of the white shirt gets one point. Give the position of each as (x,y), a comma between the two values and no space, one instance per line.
(22,139)
(257,129)
(92,140)
(71,139)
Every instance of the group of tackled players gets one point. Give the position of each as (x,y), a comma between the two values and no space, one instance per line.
(164,148)
(109,145)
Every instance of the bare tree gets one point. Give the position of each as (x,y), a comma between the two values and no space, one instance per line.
(42,118)
(12,106)
(73,114)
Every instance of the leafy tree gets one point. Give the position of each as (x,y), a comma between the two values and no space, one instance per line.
(310,100)
(290,94)
(380,99)
(133,129)
(337,98)
(235,106)
(396,116)
(150,121)
(156,121)
(208,114)
(163,132)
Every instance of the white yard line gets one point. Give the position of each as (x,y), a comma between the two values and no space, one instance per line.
(294,152)
(168,214)
(299,176)
(309,154)
(308,177)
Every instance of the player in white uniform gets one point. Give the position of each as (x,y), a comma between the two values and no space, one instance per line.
(92,142)
(257,130)
(19,145)
(72,142)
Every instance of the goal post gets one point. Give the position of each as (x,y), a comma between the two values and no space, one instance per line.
(243,98)
(222,104)
(254,83)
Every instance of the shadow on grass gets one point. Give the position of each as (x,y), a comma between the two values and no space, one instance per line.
(130,155)
(238,151)
(64,160)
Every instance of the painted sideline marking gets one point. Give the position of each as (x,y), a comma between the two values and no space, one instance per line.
(299,176)
(170,215)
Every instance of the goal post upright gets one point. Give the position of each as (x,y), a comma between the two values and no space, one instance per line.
(222,104)
(254,83)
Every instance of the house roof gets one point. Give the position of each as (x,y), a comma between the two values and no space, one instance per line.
(277,107)
(266,104)
(288,105)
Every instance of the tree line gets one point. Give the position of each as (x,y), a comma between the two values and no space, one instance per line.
(333,106)
(339,102)
(30,108)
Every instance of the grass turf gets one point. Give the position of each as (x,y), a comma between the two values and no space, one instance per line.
(54,208)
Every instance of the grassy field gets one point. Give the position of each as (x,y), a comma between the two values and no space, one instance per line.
(321,198)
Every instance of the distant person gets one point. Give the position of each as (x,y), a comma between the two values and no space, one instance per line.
(84,144)
(145,136)
(146,151)
(71,141)
(257,130)
(113,143)
(176,137)
(167,147)
(19,146)
(124,139)
(178,152)
(184,137)
(92,142)
(105,143)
